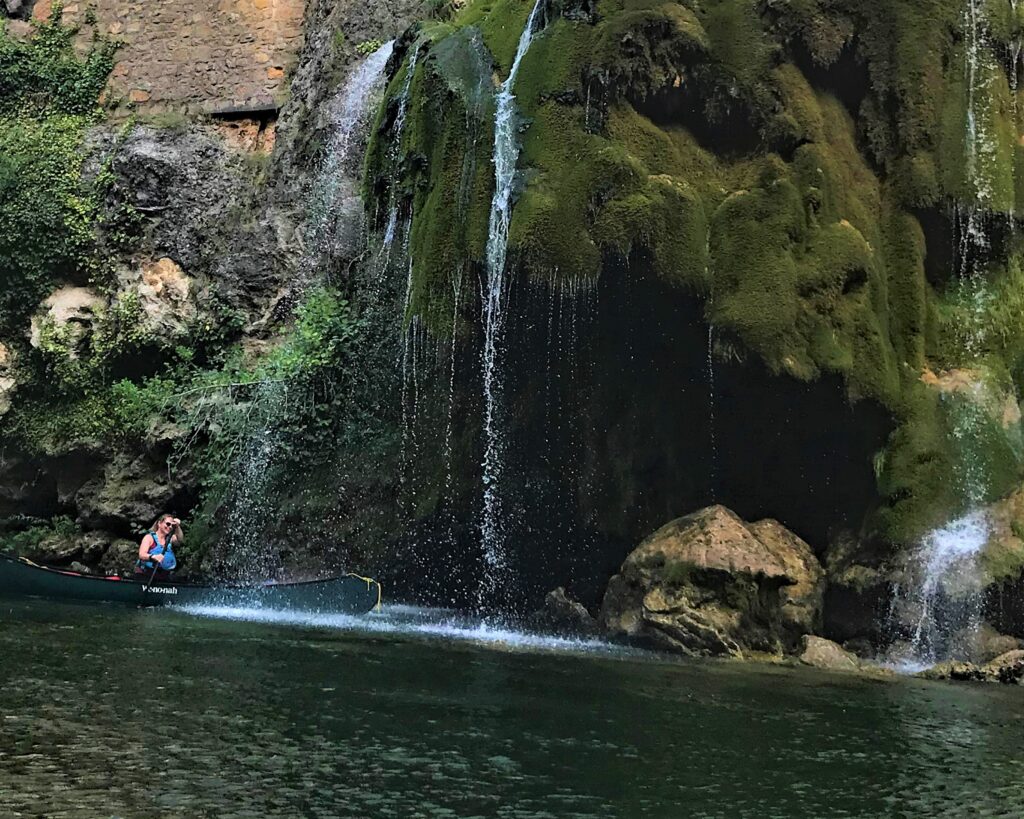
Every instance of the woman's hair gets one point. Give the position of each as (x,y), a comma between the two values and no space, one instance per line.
(160,520)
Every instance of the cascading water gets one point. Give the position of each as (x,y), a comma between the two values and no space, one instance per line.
(268,405)
(348,113)
(396,145)
(948,593)
(943,598)
(506,155)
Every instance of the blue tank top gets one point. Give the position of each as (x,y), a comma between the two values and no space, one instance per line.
(170,561)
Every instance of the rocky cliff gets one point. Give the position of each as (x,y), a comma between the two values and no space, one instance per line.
(763,254)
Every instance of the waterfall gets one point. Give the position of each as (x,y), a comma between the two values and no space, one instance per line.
(947,593)
(506,155)
(396,144)
(334,183)
(348,113)
(942,601)
(711,411)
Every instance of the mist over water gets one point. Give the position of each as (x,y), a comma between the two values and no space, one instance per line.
(401,621)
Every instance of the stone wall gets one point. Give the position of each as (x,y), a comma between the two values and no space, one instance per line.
(197,56)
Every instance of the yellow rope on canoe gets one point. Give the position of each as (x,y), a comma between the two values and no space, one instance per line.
(369,581)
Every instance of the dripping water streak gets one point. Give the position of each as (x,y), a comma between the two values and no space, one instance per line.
(711,412)
(506,155)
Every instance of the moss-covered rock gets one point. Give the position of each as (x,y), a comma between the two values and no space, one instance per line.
(784,161)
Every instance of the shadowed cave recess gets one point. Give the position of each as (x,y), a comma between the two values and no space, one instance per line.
(619,417)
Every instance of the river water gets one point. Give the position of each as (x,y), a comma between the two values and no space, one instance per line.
(409,713)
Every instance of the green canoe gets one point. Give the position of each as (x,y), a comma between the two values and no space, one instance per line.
(347,594)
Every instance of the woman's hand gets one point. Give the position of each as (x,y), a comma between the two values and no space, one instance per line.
(157,558)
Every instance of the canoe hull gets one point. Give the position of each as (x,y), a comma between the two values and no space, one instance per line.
(347,594)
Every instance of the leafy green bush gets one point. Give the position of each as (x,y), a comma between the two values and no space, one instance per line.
(48,94)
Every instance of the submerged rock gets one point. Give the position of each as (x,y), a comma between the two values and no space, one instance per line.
(563,613)
(708,583)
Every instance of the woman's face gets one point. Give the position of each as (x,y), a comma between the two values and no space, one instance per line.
(167,524)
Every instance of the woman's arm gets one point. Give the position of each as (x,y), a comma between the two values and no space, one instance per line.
(177,538)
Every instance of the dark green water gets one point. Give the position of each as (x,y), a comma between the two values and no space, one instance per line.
(113,712)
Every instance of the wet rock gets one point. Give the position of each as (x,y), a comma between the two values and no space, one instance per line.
(81,568)
(562,613)
(954,670)
(128,494)
(1007,668)
(821,653)
(707,584)
(120,558)
(990,644)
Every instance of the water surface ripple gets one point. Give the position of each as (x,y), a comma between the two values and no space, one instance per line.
(121,712)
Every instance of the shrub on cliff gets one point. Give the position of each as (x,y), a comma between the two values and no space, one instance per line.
(48,94)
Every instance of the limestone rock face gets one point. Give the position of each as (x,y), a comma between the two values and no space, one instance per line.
(128,492)
(120,557)
(821,653)
(708,583)
(165,296)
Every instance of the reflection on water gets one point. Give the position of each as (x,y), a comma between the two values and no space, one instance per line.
(109,711)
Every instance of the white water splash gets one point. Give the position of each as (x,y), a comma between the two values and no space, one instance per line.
(415,622)
(946,594)
(506,155)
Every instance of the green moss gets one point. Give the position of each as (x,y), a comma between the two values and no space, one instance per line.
(793,212)
(48,94)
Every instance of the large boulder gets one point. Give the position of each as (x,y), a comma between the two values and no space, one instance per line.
(801,609)
(821,653)
(708,583)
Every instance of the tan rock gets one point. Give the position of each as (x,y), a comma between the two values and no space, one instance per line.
(707,584)
(1007,668)
(139,95)
(165,296)
(275,72)
(821,653)
(803,598)
(240,134)
(71,310)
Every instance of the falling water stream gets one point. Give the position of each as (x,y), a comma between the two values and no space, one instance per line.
(349,110)
(506,155)
(944,593)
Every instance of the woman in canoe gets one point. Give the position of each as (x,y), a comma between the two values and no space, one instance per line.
(156,552)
